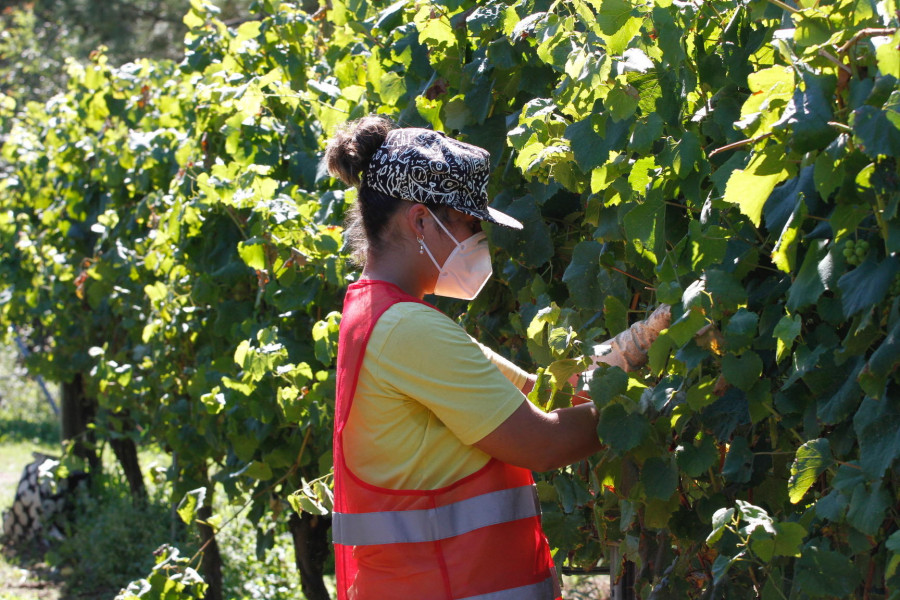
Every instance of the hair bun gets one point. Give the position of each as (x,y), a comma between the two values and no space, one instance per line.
(353,145)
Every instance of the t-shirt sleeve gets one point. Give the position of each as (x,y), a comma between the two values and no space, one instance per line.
(515,374)
(431,360)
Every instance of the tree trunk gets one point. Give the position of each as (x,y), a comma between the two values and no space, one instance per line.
(78,410)
(126,452)
(311,549)
(211,563)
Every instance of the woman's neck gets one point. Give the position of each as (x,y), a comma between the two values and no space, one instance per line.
(393,269)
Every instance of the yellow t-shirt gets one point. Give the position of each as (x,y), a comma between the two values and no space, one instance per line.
(426,392)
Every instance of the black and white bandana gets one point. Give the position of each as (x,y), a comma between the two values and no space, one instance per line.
(422,165)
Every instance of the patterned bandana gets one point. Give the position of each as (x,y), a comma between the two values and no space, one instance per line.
(426,166)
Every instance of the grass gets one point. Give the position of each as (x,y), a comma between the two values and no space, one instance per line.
(586,587)
(26,416)
(110,540)
(27,424)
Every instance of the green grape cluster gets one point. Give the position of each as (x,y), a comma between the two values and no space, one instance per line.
(855,252)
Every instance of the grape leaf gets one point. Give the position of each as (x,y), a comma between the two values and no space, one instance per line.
(812,459)
(621,430)
(750,187)
(659,477)
(826,574)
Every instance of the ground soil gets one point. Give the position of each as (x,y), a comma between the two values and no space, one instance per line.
(22,578)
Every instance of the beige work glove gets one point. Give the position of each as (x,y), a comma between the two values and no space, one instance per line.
(628,350)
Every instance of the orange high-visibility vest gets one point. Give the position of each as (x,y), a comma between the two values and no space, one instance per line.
(479,538)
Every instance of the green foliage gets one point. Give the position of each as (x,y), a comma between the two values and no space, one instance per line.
(170,579)
(260,568)
(109,540)
(196,277)
(813,459)
(717,156)
(31,68)
(39,38)
(254,570)
(314,497)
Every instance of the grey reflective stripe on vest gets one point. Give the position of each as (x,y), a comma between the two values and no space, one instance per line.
(428,525)
(544,590)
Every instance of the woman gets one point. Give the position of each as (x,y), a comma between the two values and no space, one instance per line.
(434,439)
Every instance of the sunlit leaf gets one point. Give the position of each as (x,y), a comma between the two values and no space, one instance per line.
(812,459)
(190,504)
(749,188)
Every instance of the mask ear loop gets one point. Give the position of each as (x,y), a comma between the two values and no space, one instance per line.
(422,247)
(447,231)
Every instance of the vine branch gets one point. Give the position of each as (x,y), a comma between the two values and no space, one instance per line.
(825,54)
(740,143)
(636,278)
(869,32)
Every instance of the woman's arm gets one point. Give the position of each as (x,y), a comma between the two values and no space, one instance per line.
(533,439)
(540,441)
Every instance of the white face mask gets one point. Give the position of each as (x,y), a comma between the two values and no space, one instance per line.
(467,268)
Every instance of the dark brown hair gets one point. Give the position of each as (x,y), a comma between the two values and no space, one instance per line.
(347,157)
(353,146)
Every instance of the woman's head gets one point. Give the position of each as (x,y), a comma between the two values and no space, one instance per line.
(393,167)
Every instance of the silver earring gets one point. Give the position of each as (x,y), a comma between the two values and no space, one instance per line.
(421,244)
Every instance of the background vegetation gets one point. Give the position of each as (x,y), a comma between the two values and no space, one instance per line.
(111,540)
(176,262)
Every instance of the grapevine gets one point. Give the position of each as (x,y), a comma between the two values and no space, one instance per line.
(173,241)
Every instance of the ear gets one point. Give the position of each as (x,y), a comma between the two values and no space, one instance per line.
(416,215)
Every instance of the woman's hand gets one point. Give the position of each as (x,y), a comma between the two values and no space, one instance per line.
(628,350)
